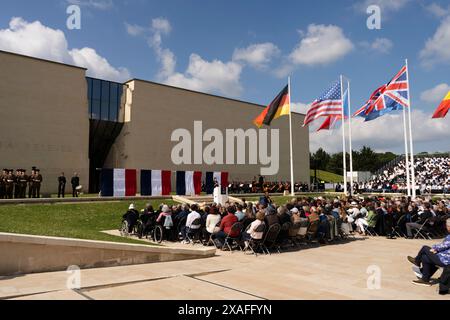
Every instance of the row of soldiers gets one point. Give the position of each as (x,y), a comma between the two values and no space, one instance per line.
(14,185)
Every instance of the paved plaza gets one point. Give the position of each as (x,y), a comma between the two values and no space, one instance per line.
(321,272)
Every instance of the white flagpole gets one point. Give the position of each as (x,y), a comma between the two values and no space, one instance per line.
(408,184)
(350,137)
(291,145)
(411,149)
(344,154)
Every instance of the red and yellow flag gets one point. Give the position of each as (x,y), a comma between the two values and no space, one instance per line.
(279,107)
(443,108)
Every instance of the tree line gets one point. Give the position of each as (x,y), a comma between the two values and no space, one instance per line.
(363,160)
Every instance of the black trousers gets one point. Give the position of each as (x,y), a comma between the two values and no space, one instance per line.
(61,190)
(74,192)
(429,261)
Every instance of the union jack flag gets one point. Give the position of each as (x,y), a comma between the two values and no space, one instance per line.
(389,97)
(328,104)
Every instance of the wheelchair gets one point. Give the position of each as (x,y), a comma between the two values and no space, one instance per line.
(135,230)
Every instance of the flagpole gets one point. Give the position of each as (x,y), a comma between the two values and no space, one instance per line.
(350,137)
(290,135)
(413,170)
(344,154)
(408,183)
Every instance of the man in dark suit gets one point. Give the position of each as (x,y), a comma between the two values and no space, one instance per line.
(62,185)
(75,182)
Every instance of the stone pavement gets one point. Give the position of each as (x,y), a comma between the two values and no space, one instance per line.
(325,272)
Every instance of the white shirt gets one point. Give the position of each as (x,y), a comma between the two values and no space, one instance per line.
(194,215)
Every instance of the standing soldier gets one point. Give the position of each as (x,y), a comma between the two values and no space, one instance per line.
(23,181)
(62,185)
(16,184)
(10,184)
(38,182)
(3,184)
(31,183)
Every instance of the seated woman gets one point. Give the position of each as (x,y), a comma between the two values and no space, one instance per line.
(429,259)
(346,226)
(165,217)
(212,221)
(251,232)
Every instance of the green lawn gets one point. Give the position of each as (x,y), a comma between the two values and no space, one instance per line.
(81,221)
(328,177)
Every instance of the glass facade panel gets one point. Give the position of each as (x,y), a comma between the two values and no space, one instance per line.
(104,99)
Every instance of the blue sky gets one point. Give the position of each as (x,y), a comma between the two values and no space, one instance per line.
(246,49)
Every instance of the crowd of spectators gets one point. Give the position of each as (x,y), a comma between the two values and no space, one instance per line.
(300,220)
(432,177)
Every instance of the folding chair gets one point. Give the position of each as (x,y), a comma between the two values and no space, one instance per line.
(397,230)
(283,232)
(371,231)
(255,244)
(422,232)
(193,234)
(270,238)
(229,240)
(293,233)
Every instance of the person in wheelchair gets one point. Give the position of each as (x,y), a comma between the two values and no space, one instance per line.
(131,216)
(165,220)
(148,219)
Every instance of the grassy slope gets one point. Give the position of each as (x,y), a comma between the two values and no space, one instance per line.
(81,221)
(327,176)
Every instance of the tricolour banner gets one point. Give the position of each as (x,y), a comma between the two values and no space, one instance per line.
(189,183)
(221,177)
(118,183)
(156,183)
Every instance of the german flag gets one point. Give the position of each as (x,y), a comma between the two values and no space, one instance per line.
(279,107)
(443,108)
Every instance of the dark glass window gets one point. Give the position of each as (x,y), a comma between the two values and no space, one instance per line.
(104,99)
(114,101)
(96,89)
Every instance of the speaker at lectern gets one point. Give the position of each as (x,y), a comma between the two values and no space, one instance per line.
(220,195)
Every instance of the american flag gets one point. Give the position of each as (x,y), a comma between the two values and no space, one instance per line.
(329,104)
(389,97)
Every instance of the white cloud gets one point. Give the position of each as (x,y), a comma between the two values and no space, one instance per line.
(36,40)
(386,6)
(206,76)
(321,45)
(98,66)
(382,45)
(437,10)
(94,4)
(435,94)
(161,25)
(437,48)
(386,134)
(134,29)
(214,76)
(166,57)
(256,55)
